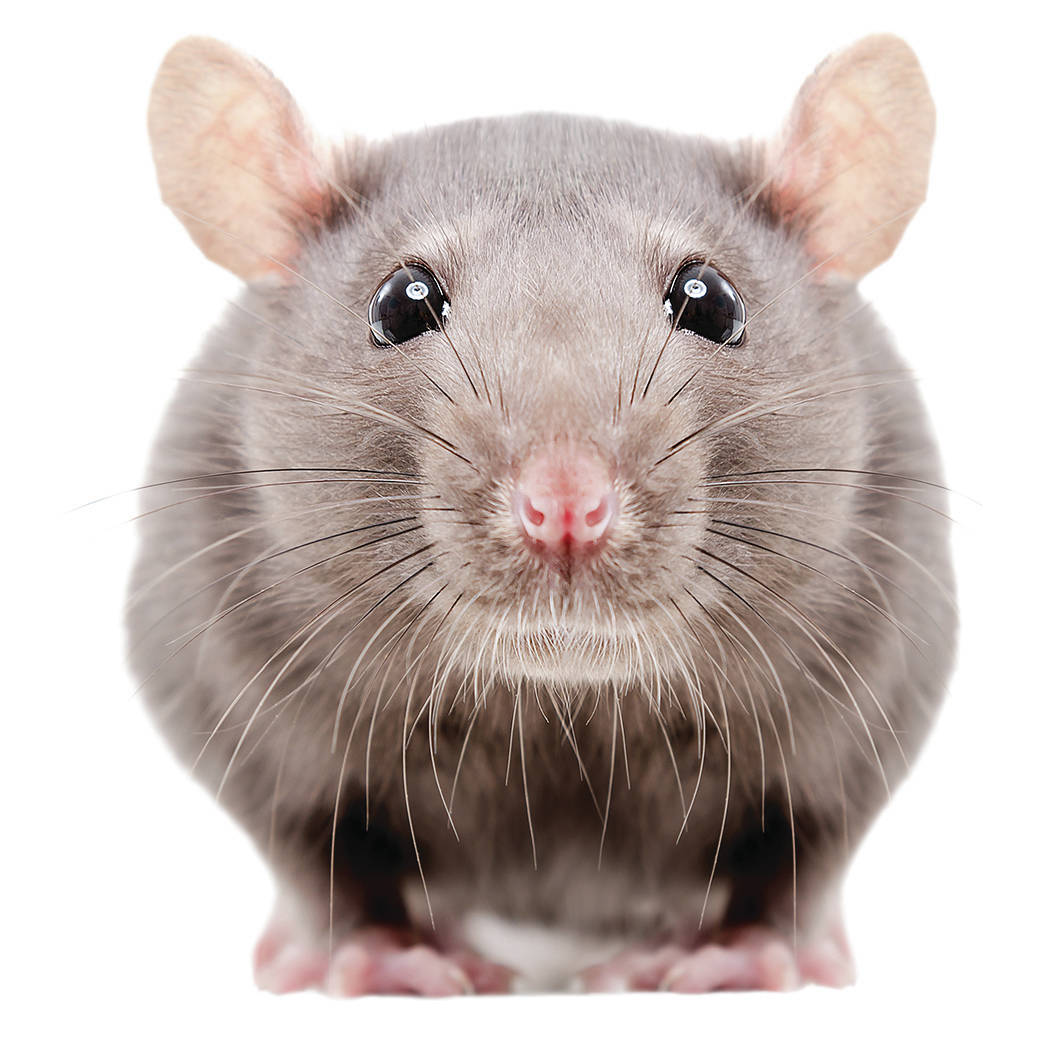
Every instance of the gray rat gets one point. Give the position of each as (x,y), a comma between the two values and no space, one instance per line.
(545,559)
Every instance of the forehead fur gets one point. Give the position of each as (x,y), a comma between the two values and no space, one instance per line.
(515,156)
(537,175)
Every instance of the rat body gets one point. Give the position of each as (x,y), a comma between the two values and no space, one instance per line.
(556,613)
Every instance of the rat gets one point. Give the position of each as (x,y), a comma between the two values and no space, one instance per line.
(545,560)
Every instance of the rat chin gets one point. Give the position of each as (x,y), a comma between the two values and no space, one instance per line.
(562,658)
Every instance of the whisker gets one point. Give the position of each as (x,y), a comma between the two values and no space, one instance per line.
(724,810)
(297,653)
(297,633)
(525,779)
(409,811)
(193,632)
(875,489)
(611,778)
(250,529)
(360,408)
(762,408)
(890,618)
(823,469)
(868,532)
(795,612)
(246,473)
(232,489)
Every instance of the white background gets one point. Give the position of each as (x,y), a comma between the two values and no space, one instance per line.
(131,903)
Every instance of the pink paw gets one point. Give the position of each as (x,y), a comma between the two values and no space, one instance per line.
(752,958)
(371,961)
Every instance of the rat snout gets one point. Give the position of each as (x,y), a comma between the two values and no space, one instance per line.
(564,501)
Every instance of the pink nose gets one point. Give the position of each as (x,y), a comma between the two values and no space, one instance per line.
(564,500)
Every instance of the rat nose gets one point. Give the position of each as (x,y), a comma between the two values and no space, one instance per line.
(564,501)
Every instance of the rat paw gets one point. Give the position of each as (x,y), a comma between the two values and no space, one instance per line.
(750,958)
(283,963)
(372,961)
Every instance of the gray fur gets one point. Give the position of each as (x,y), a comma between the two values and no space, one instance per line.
(555,239)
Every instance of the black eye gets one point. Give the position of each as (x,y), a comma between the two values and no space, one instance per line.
(703,301)
(408,304)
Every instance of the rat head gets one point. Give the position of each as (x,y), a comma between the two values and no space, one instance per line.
(556,344)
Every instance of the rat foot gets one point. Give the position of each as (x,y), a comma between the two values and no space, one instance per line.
(748,958)
(369,961)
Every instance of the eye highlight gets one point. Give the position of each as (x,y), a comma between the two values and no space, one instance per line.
(702,301)
(408,303)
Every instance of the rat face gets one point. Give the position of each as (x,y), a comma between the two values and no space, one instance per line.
(556,355)
(567,383)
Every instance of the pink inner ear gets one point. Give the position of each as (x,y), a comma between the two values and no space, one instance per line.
(804,191)
(234,159)
(275,195)
(301,177)
(851,167)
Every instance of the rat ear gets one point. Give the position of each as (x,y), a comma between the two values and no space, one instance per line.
(233,157)
(851,165)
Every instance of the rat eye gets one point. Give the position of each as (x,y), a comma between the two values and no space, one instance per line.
(703,301)
(408,304)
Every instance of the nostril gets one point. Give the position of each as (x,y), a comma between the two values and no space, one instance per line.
(531,513)
(598,520)
(595,516)
(538,523)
